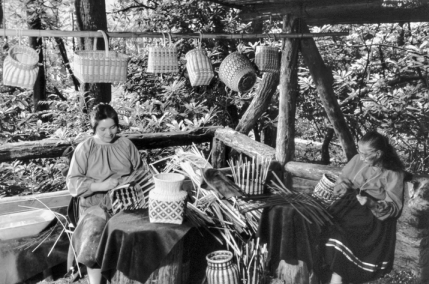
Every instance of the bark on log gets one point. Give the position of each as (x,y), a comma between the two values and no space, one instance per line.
(243,144)
(285,144)
(336,12)
(52,148)
(266,89)
(322,77)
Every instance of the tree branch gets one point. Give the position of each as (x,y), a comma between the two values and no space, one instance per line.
(140,7)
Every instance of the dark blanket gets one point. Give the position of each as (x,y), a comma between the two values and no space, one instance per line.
(289,237)
(134,246)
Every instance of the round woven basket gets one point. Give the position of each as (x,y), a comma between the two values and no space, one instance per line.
(324,190)
(20,67)
(267,59)
(237,72)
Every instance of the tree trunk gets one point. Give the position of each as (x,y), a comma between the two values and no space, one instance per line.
(66,62)
(322,77)
(91,16)
(266,89)
(325,147)
(285,144)
(39,89)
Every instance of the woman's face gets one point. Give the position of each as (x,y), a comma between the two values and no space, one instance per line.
(106,130)
(368,154)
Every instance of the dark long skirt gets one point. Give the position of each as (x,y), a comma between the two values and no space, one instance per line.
(361,247)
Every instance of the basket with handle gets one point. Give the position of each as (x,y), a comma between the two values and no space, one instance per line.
(237,72)
(199,67)
(99,66)
(267,58)
(20,68)
(163,59)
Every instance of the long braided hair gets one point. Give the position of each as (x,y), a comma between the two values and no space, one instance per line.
(389,159)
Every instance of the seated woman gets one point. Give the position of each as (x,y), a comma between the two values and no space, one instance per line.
(99,164)
(361,246)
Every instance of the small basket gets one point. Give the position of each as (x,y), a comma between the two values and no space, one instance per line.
(163,59)
(20,68)
(100,66)
(237,72)
(199,67)
(126,198)
(324,190)
(267,59)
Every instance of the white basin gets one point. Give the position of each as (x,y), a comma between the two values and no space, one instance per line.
(24,224)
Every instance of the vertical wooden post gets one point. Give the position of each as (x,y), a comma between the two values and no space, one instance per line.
(285,144)
(218,153)
(322,77)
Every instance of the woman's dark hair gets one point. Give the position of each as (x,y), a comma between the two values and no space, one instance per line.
(389,158)
(103,111)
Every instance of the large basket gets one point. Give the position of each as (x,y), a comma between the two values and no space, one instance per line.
(100,66)
(267,59)
(237,72)
(199,67)
(324,190)
(20,68)
(162,59)
(167,202)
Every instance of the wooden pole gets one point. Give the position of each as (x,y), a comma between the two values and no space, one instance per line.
(92,34)
(323,80)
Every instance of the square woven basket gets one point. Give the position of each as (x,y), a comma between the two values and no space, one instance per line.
(166,211)
(267,59)
(162,59)
(199,67)
(100,66)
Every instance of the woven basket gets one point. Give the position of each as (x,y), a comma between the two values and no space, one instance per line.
(237,72)
(267,59)
(167,202)
(199,67)
(20,68)
(100,66)
(126,198)
(324,190)
(162,59)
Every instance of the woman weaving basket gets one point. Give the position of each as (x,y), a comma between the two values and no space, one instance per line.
(371,192)
(99,164)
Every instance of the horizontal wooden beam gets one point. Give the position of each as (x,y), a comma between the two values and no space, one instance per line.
(52,148)
(321,13)
(93,34)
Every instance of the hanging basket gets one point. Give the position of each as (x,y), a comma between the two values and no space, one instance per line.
(267,59)
(237,72)
(20,68)
(162,59)
(100,66)
(324,190)
(199,67)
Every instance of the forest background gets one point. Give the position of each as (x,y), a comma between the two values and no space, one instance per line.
(380,79)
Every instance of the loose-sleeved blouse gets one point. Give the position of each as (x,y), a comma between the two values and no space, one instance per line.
(94,162)
(387,186)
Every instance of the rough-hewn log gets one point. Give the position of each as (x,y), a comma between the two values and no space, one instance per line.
(337,12)
(51,148)
(322,77)
(266,89)
(285,144)
(243,144)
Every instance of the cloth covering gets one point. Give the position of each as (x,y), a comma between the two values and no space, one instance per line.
(289,237)
(134,246)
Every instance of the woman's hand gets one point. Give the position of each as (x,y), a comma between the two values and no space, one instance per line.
(365,200)
(105,185)
(341,187)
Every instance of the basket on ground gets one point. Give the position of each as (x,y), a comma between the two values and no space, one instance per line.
(167,202)
(98,66)
(324,190)
(237,72)
(20,68)
(199,67)
(267,59)
(162,59)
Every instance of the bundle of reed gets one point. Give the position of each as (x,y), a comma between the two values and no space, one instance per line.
(252,263)
(306,205)
(250,175)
